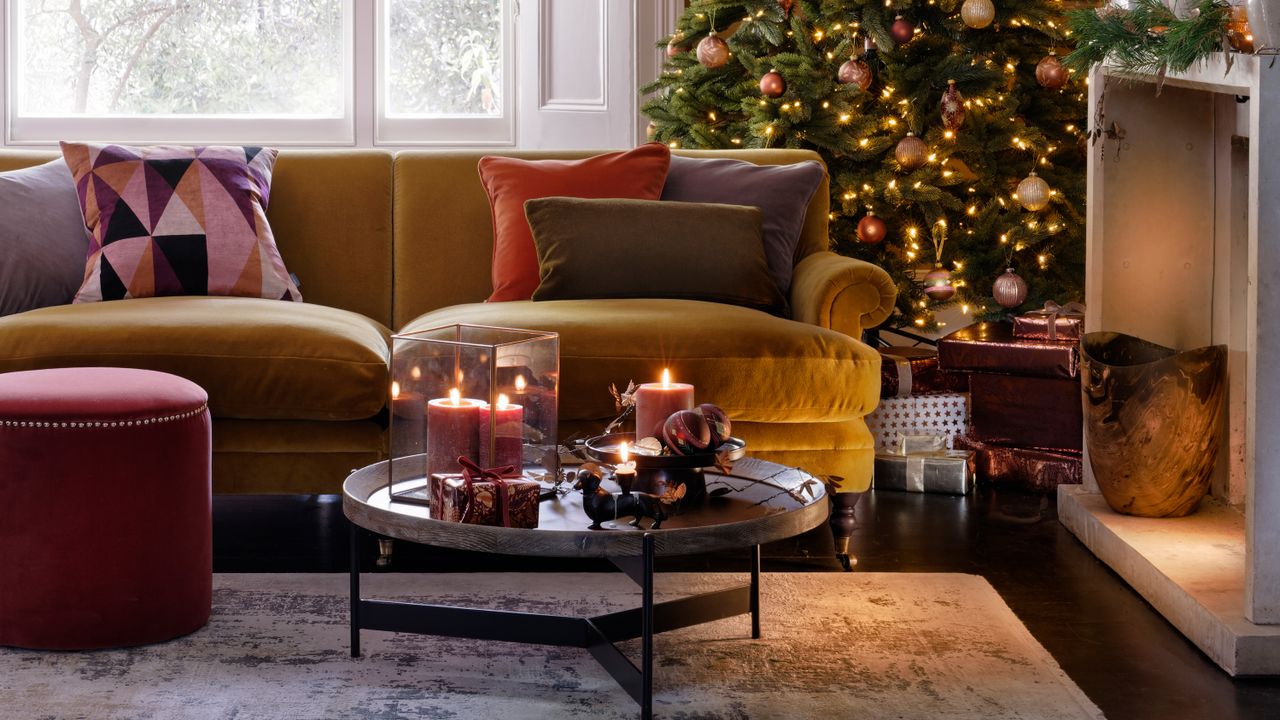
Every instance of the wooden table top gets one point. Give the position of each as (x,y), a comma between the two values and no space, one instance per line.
(764,502)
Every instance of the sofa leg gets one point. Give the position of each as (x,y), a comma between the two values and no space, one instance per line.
(843,523)
(385,547)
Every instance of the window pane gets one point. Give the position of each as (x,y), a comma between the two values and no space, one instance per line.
(209,57)
(444,57)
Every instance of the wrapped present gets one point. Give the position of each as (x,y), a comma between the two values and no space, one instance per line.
(1053,322)
(906,371)
(945,415)
(1039,469)
(992,348)
(935,470)
(1026,411)
(485,497)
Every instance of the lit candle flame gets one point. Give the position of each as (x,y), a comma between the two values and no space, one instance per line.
(502,402)
(416,373)
(666,378)
(455,397)
(624,452)
(520,383)
(395,390)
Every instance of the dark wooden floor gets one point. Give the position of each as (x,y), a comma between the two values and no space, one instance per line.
(1128,660)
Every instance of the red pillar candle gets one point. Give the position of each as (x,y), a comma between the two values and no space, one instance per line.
(508,434)
(452,432)
(656,401)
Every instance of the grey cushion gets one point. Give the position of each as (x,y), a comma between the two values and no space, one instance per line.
(782,192)
(43,241)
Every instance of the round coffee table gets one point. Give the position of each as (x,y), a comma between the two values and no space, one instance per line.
(757,502)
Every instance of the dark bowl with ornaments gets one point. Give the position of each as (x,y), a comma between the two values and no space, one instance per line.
(607,449)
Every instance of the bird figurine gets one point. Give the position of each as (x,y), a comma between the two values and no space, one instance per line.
(601,505)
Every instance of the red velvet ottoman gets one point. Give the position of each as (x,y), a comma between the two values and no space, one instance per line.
(105,492)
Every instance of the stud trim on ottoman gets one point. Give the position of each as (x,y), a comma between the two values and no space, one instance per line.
(105,495)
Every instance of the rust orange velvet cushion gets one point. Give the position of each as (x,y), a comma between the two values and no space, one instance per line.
(637,174)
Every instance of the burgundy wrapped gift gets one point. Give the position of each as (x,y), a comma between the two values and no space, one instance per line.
(992,348)
(907,371)
(1054,322)
(485,497)
(1038,469)
(1026,411)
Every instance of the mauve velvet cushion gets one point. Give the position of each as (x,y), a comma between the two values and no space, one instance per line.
(782,192)
(43,240)
(613,248)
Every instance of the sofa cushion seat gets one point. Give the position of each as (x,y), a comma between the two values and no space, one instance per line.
(257,359)
(758,367)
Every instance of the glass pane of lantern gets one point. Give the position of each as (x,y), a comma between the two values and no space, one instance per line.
(486,395)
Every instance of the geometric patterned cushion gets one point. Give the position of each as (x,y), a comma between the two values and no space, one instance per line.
(169,220)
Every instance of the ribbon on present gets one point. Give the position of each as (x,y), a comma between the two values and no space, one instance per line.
(472,473)
(1052,311)
(904,376)
(917,449)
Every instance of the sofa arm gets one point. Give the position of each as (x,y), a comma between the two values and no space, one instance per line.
(841,293)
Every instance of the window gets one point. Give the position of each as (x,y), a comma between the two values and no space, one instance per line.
(181,70)
(444,72)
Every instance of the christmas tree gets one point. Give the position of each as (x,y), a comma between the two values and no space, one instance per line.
(954,138)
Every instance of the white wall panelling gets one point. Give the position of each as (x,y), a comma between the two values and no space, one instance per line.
(578,83)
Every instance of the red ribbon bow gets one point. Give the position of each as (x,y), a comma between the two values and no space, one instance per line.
(472,472)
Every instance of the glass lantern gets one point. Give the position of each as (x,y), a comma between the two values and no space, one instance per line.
(486,394)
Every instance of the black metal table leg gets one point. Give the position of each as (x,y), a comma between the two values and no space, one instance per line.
(755,592)
(356,532)
(646,629)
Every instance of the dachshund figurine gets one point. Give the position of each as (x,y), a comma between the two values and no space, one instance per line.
(601,505)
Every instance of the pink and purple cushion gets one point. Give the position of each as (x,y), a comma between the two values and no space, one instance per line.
(168,220)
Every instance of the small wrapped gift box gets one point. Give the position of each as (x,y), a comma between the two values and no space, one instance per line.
(1038,469)
(945,472)
(1026,411)
(945,415)
(992,348)
(907,371)
(485,497)
(1054,322)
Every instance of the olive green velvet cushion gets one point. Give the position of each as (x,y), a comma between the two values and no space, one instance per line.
(261,359)
(613,248)
(758,367)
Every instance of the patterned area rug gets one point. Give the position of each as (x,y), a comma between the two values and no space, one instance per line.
(860,645)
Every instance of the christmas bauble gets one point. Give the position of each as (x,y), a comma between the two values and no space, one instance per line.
(952,107)
(855,72)
(1010,290)
(871,229)
(786,7)
(686,432)
(937,284)
(674,47)
(1033,192)
(911,152)
(651,130)
(1051,73)
(717,422)
(977,14)
(772,85)
(901,30)
(713,52)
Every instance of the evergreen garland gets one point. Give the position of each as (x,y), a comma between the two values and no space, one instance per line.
(1148,38)
(959,208)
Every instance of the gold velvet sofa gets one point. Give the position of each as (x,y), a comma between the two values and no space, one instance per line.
(382,240)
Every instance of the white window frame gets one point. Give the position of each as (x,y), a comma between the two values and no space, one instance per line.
(249,129)
(451,130)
